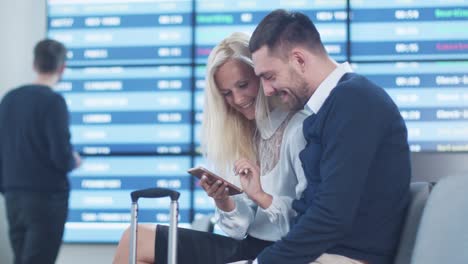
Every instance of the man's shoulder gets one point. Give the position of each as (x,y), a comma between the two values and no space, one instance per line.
(43,91)
(355,91)
(31,94)
(353,83)
(30,89)
(15,93)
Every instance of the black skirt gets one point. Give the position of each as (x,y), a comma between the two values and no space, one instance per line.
(206,248)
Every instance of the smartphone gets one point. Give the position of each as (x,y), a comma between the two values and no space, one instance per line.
(212,177)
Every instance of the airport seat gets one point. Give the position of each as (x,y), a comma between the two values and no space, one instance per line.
(419,195)
(443,232)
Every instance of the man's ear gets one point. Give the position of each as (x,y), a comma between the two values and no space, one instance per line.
(298,59)
(62,69)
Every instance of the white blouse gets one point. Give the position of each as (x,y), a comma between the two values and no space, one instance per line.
(285,182)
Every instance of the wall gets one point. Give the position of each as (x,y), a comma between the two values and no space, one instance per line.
(433,166)
(21,25)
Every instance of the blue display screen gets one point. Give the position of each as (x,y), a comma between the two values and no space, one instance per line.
(123,32)
(215,20)
(136,75)
(409,30)
(108,104)
(99,201)
(432,98)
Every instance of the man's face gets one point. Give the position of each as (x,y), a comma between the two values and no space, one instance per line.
(280,78)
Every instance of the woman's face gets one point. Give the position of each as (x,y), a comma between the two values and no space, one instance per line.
(238,84)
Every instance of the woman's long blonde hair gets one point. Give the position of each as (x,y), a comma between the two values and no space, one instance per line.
(226,135)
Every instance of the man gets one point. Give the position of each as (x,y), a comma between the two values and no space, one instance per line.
(35,157)
(356,159)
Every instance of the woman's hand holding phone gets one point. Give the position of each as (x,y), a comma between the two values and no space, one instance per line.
(219,192)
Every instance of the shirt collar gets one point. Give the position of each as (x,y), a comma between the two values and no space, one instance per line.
(323,91)
(272,122)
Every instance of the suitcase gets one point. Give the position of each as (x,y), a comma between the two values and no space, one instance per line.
(174,212)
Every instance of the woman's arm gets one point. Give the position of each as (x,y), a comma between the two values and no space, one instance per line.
(219,192)
(235,223)
(234,214)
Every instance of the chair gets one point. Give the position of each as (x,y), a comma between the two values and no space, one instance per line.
(419,194)
(443,232)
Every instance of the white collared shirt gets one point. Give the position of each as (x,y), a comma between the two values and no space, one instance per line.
(323,91)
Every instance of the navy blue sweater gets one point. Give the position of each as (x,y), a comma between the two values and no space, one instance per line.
(357,164)
(35,150)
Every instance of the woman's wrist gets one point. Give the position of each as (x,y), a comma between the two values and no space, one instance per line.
(226,205)
(263,199)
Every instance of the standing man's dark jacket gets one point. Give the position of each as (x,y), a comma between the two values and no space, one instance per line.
(35,150)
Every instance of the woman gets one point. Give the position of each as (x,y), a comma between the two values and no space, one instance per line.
(239,136)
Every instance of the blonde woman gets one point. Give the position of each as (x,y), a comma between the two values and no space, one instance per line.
(244,135)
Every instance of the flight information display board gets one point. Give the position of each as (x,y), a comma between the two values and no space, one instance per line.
(123,32)
(409,30)
(432,98)
(100,197)
(136,77)
(139,110)
(202,203)
(216,20)
(199,101)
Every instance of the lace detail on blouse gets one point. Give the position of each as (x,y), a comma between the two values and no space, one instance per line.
(269,149)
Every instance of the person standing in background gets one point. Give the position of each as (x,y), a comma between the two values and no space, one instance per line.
(35,157)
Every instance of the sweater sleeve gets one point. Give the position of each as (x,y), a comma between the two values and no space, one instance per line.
(236,222)
(58,134)
(350,137)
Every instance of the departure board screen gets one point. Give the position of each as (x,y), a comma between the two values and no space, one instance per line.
(119,110)
(409,30)
(432,98)
(100,197)
(199,101)
(202,203)
(135,81)
(216,20)
(116,32)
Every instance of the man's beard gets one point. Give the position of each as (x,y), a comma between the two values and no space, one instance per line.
(292,102)
(298,91)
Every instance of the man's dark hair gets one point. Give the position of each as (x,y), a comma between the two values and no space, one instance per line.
(49,56)
(281,30)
